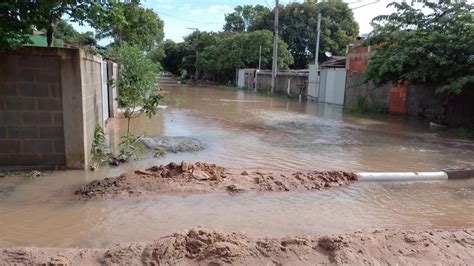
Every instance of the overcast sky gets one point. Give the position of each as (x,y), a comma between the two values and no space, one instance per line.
(208,15)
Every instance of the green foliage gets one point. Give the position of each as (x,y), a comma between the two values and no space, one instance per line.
(15,23)
(137,76)
(137,82)
(432,48)
(363,107)
(100,149)
(128,22)
(129,148)
(240,50)
(65,31)
(159,153)
(245,17)
(18,18)
(173,56)
(298,23)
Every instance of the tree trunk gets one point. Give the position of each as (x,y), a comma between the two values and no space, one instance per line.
(50,34)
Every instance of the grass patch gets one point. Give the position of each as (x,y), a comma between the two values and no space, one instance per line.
(227,88)
(365,108)
(276,95)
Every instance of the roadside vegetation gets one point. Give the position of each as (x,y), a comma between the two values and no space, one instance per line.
(215,56)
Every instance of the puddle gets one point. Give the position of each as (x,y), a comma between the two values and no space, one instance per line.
(363,206)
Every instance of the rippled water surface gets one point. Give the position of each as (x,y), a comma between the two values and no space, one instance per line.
(244,130)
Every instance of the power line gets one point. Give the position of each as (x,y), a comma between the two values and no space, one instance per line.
(188,20)
(368,4)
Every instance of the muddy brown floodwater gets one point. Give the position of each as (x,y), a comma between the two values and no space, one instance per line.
(246,131)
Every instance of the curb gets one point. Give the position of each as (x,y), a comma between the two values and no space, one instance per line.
(447,174)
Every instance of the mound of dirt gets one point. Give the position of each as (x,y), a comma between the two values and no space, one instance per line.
(173,144)
(201,246)
(203,177)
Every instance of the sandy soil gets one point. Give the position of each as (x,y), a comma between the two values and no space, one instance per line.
(202,177)
(199,246)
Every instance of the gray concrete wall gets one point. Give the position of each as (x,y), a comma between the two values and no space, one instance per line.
(374,96)
(421,101)
(91,70)
(454,110)
(50,102)
(31,117)
(298,82)
(113,89)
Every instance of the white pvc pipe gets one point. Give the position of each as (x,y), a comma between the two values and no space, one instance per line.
(403,176)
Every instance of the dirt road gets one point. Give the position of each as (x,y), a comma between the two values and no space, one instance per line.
(199,246)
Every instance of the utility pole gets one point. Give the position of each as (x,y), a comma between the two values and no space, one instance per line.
(275,49)
(260,58)
(317,41)
(197,53)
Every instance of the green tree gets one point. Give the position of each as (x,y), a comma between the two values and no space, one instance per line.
(194,44)
(16,22)
(245,17)
(298,24)
(433,48)
(48,13)
(129,22)
(174,53)
(240,50)
(18,18)
(65,31)
(137,82)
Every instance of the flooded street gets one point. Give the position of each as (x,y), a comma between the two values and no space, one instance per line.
(248,131)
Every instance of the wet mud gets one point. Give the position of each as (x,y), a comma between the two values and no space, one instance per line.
(200,246)
(203,177)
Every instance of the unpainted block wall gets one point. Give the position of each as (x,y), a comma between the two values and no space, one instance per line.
(374,96)
(50,103)
(91,70)
(298,83)
(31,118)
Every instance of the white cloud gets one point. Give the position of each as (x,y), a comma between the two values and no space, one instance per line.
(219,9)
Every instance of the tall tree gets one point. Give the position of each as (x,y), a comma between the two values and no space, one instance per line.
(19,18)
(245,17)
(434,48)
(48,13)
(65,31)
(174,53)
(128,21)
(194,44)
(298,24)
(240,50)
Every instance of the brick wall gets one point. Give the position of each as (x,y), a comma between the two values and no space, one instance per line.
(31,118)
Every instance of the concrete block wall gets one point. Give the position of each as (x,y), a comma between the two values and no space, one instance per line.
(355,85)
(91,69)
(31,118)
(50,103)
(298,82)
